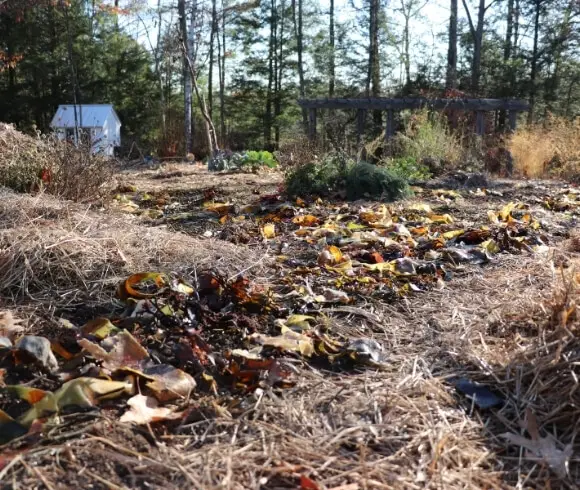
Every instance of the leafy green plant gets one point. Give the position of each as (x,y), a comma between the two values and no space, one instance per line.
(408,168)
(248,160)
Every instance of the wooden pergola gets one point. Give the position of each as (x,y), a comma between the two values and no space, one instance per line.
(480,106)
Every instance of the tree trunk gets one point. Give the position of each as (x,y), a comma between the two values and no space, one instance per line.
(451,76)
(331,60)
(187,80)
(534,64)
(222,75)
(297,17)
(279,76)
(374,69)
(406,43)
(477,34)
(212,36)
(271,76)
(509,74)
(476,70)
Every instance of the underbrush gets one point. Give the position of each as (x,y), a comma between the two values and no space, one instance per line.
(338,174)
(252,161)
(29,164)
(551,149)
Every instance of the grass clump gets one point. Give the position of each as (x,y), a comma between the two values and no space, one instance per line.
(549,149)
(338,174)
(409,168)
(427,136)
(30,164)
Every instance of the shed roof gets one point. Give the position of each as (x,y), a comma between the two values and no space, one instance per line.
(88,115)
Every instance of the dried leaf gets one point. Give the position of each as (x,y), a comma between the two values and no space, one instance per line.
(305,220)
(331,255)
(120,350)
(101,328)
(144,285)
(289,341)
(169,383)
(269,230)
(79,392)
(145,410)
(9,326)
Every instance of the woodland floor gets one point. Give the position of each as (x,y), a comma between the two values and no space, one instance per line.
(312,409)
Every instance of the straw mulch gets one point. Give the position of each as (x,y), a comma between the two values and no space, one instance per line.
(55,251)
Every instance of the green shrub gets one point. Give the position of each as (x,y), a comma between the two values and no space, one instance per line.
(318,178)
(372,181)
(408,168)
(338,173)
(258,159)
(244,161)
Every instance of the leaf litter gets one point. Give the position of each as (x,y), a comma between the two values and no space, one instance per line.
(179,336)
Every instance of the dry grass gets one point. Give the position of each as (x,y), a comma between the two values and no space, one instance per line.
(29,164)
(551,148)
(401,428)
(52,249)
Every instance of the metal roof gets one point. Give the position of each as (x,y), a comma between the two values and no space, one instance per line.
(88,115)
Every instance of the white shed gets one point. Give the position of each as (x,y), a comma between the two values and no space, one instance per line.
(99,122)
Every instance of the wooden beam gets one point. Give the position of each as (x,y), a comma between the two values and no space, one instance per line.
(513,117)
(383,104)
(312,124)
(361,115)
(390,127)
(480,123)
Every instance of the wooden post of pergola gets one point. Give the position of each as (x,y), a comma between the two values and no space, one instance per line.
(479,106)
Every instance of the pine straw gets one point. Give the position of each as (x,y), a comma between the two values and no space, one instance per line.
(52,250)
(404,427)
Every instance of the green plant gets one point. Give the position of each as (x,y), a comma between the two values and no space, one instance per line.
(367,180)
(258,159)
(248,160)
(427,136)
(338,173)
(408,168)
(318,178)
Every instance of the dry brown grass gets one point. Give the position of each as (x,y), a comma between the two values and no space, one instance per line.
(550,148)
(31,163)
(51,249)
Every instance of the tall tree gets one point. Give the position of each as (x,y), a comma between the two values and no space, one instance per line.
(187,81)
(477,35)
(299,35)
(451,72)
(332,54)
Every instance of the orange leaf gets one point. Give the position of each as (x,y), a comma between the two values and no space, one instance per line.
(305,220)
(308,484)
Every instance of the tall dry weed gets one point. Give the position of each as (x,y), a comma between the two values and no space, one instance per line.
(30,163)
(548,149)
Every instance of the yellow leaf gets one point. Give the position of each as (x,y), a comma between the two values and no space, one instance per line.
(441,218)
(331,255)
(269,230)
(505,212)
(149,280)
(490,246)
(100,328)
(452,234)
(493,217)
(421,207)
